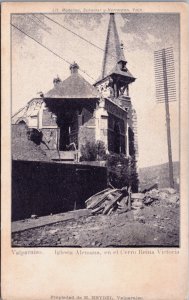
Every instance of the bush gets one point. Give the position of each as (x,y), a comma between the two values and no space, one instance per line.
(35,136)
(122,171)
(92,151)
(101,150)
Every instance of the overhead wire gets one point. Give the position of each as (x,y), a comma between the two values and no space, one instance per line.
(38,19)
(48,29)
(76,34)
(47,48)
(38,24)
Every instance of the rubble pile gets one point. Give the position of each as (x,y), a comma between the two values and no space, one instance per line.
(107,200)
(122,200)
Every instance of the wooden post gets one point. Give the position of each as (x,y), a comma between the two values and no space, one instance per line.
(171,180)
(58,141)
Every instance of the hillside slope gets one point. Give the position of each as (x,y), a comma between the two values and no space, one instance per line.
(158,174)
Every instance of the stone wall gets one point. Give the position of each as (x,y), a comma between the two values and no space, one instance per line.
(86,134)
(48,118)
(49,138)
(87,127)
(23,148)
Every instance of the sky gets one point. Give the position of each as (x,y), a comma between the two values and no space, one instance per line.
(34,68)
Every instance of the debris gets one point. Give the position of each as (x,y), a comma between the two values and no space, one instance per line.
(148,200)
(169,196)
(169,190)
(151,196)
(149,188)
(173,198)
(141,219)
(110,211)
(53,231)
(122,211)
(111,203)
(137,196)
(96,210)
(122,205)
(97,194)
(137,204)
(163,196)
(96,200)
(122,200)
(107,201)
(34,217)
(136,212)
(120,225)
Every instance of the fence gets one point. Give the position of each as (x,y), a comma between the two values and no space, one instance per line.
(42,188)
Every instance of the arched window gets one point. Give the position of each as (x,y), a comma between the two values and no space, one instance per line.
(22,123)
(21,128)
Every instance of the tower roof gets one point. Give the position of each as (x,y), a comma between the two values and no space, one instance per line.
(113,48)
(113,53)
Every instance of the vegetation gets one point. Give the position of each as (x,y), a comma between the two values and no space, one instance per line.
(92,151)
(34,135)
(121,170)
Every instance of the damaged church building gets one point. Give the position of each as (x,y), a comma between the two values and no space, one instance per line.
(75,112)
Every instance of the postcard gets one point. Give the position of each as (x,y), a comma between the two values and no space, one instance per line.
(94,151)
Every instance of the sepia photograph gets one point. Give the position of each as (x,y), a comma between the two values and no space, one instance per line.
(95,129)
(94,186)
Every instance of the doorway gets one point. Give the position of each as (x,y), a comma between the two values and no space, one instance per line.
(64,136)
(117,138)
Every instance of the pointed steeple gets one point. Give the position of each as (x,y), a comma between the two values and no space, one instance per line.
(113,49)
(115,77)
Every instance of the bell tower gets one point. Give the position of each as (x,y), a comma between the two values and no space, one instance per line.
(113,84)
(115,76)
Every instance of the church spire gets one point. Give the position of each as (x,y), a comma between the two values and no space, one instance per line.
(113,48)
(115,77)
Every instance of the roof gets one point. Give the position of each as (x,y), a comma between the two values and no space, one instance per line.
(74,87)
(117,70)
(113,48)
(113,54)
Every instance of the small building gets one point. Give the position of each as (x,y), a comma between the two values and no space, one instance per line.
(74,111)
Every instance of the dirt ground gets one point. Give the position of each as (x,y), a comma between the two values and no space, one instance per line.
(154,225)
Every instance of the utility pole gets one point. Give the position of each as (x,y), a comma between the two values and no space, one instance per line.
(166,92)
